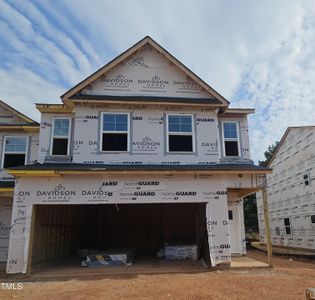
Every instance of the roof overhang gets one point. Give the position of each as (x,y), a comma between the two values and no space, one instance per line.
(19,128)
(54,108)
(235,112)
(99,171)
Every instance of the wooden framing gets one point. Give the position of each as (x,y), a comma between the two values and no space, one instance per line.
(30,242)
(54,108)
(56,173)
(267,226)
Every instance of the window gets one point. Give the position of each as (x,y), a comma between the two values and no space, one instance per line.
(14,151)
(287,225)
(230,136)
(180,133)
(313,219)
(115,132)
(306,179)
(60,138)
(277,230)
(230,215)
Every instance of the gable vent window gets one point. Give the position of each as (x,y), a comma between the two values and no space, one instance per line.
(61,136)
(115,132)
(14,152)
(287,225)
(231,139)
(180,133)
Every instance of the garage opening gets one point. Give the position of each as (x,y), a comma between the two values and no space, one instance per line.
(62,231)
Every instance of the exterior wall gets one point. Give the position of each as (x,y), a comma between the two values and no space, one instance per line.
(148,136)
(5,223)
(288,194)
(147,73)
(125,189)
(45,134)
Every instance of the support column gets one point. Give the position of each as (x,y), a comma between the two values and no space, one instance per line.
(267,226)
(30,243)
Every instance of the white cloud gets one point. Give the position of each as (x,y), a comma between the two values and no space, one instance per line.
(257,54)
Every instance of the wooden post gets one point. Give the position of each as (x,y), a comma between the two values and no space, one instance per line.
(267,226)
(30,243)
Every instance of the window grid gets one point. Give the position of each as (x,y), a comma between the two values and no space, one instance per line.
(115,123)
(18,145)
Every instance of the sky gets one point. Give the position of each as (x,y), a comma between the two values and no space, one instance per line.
(257,54)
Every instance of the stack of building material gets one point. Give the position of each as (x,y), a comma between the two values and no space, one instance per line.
(176,252)
(106,258)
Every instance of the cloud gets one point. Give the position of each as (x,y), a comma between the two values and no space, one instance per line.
(256,54)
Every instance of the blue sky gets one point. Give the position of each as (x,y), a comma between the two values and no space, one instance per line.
(258,54)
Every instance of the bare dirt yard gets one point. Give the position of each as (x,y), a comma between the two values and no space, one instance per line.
(287,280)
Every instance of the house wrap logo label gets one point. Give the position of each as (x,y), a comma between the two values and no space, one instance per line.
(119,81)
(186,84)
(146,145)
(137,61)
(59,190)
(155,82)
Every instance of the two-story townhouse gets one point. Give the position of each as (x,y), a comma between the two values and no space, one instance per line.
(291,192)
(18,146)
(141,154)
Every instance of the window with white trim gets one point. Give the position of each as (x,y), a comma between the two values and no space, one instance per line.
(180,136)
(115,132)
(14,151)
(60,142)
(287,226)
(231,139)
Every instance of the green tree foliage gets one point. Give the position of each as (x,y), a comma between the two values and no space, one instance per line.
(268,154)
(250,206)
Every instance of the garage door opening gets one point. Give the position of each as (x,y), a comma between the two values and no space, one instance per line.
(62,231)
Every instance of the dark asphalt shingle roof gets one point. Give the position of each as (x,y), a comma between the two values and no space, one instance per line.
(7,184)
(122,167)
(148,99)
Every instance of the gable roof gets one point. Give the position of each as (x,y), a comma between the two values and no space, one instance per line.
(20,115)
(283,139)
(131,51)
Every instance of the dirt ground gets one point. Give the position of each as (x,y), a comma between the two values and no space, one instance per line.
(287,280)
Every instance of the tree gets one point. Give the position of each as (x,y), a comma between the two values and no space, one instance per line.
(268,154)
(250,206)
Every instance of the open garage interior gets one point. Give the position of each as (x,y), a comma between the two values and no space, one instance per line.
(70,232)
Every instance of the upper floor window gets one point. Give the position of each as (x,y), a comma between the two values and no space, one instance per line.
(115,132)
(231,139)
(14,151)
(60,144)
(180,137)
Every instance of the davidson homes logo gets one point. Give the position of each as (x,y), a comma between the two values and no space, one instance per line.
(58,191)
(119,81)
(137,61)
(146,145)
(155,82)
(186,84)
